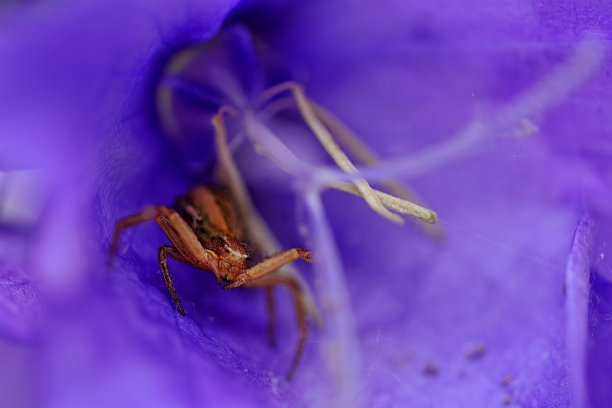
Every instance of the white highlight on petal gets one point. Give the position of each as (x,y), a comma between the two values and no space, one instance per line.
(577,274)
(23,195)
(340,340)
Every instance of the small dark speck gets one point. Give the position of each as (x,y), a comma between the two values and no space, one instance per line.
(475,352)
(422,34)
(506,400)
(506,380)
(431,369)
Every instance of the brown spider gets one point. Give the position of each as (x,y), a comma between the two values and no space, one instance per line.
(206,232)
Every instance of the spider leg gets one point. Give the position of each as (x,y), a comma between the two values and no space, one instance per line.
(186,243)
(186,246)
(164,252)
(268,282)
(148,214)
(270,265)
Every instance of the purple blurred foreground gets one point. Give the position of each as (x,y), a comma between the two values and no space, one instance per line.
(497,115)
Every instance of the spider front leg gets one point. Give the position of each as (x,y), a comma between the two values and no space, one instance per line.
(270,265)
(185,247)
(268,282)
(164,252)
(148,214)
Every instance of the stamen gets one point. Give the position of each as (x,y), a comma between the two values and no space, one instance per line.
(366,156)
(269,144)
(326,139)
(227,166)
(405,196)
(393,203)
(164,94)
(347,138)
(273,148)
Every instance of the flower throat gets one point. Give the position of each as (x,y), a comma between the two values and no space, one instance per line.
(205,86)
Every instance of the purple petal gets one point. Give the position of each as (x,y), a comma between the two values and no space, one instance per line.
(475,319)
(20,304)
(598,353)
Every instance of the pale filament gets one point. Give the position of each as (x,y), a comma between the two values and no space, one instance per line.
(257,229)
(393,203)
(404,203)
(328,142)
(317,119)
(267,142)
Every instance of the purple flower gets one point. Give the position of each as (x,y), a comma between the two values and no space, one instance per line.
(496,116)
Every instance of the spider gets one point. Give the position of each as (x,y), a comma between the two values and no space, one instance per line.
(205,232)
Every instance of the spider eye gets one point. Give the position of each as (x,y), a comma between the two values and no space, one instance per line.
(225,279)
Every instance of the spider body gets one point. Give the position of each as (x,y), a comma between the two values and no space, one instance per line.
(206,231)
(218,227)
